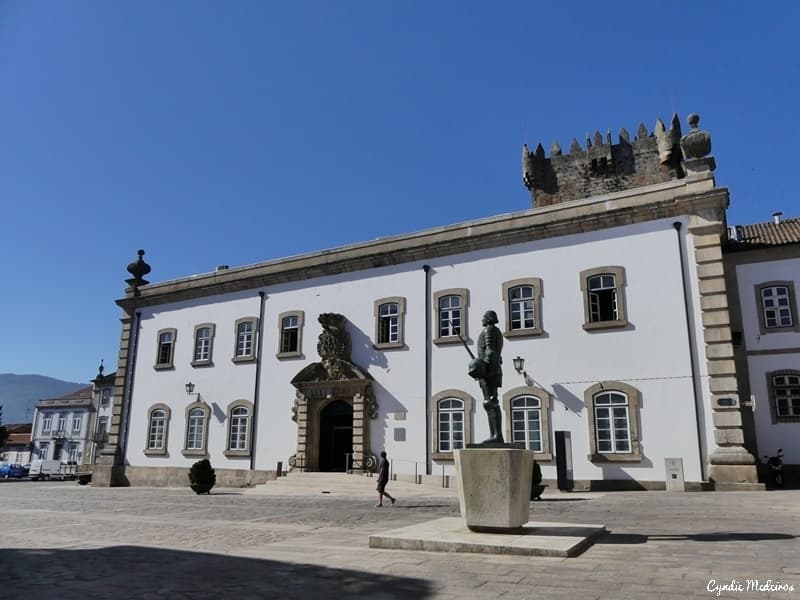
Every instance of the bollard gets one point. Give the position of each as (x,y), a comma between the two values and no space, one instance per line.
(279,470)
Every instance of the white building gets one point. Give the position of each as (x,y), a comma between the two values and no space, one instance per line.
(61,427)
(762,265)
(611,288)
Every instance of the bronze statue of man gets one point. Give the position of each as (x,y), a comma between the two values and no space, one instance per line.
(487,369)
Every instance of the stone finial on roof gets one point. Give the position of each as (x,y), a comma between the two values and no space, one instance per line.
(555,149)
(696,143)
(574,146)
(624,135)
(100,369)
(642,132)
(138,269)
(598,139)
(696,146)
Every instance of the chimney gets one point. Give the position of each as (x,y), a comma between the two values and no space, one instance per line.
(776,217)
(222,268)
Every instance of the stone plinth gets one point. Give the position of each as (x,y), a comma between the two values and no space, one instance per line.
(494,487)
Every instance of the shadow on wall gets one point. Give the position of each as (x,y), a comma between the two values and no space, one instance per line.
(363,354)
(568,399)
(388,404)
(141,572)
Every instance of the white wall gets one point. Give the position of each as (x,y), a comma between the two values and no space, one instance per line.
(651,354)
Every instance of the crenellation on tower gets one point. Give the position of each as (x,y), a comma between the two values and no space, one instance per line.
(603,167)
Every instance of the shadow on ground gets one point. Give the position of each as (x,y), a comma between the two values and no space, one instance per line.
(723,536)
(141,572)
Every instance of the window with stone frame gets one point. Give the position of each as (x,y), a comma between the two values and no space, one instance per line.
(290,342)
(523,307)
(527,419)
(603,290)
(240,415)
(245,342)
(47,424)
(777,307)
(389,322)
(165,350)
(76,423)
(784,395)
(197,419)
(203,345)
(613,410)
(158,417)
(105,397)
(451,315)
(451,422)
(44,449)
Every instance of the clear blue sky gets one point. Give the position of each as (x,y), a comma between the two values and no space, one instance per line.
(235,132)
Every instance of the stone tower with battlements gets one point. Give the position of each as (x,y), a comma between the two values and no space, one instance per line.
(603,167)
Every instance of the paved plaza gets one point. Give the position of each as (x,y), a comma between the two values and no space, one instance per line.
(308,538)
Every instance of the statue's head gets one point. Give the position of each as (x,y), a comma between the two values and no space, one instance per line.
(490,318)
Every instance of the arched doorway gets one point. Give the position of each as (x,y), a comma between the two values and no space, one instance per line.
(335,436)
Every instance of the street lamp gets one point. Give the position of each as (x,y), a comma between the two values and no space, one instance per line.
(190,390)
(519,365)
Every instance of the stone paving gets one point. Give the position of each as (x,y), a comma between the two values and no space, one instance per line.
(61,540)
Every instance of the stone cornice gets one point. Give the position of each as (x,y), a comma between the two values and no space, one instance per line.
(665,200)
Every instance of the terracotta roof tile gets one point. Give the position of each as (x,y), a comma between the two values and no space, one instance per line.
(760,235)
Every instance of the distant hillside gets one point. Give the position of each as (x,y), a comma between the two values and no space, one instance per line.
(18,393)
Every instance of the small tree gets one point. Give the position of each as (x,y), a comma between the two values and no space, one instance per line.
(202,476)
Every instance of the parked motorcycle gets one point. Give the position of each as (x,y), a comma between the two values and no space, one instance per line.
(775,464)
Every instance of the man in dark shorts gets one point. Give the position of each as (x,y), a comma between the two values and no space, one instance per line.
(383,479)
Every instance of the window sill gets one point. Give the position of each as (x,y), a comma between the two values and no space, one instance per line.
(188,453)
(296,354)
(614,458)
(447,341)
(787,329)
(164,367)
(237,453)
(595,325)
(161,452)
(202,363)
(390,346)
(243,359)
(518,333)
(542,456)
(791,419)
(444,456)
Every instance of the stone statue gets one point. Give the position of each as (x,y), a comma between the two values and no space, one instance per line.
(487,369)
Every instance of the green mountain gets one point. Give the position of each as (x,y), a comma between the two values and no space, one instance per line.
(19,393)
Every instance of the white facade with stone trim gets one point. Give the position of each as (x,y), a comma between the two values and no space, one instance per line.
(651,352)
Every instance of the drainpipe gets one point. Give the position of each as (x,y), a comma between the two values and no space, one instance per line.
(137,323)
(428,342)
(256,390)
(697,399)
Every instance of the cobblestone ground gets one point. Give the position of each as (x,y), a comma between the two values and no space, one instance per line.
(61,540)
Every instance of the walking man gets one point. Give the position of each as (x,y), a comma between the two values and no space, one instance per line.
(383,479)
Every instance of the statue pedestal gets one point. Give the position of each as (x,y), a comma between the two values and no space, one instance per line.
(494,487)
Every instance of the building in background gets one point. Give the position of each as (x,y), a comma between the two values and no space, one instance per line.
(103,401)
(762,267)
(18,445)
(610,289)
(61,426)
